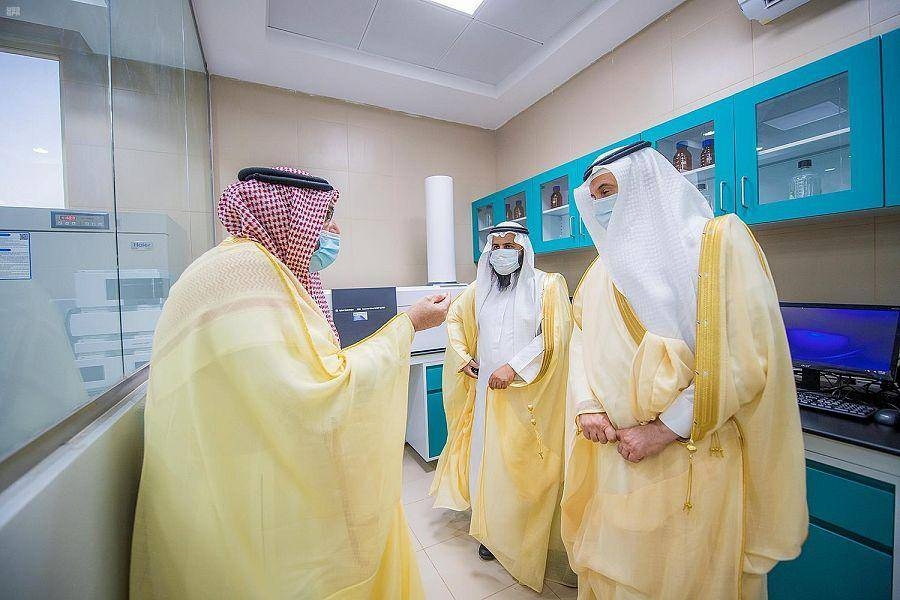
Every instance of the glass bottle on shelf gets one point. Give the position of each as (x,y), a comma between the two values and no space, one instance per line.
(556,199)
(805,182)
(518,211)
(708,154)
(702,188)
(682,160)
(509,213)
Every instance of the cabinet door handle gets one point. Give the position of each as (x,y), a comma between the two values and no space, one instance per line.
(722,196)
(581,226)
(571,225)
(744,179)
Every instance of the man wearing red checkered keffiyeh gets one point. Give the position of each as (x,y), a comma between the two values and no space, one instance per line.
(287,222)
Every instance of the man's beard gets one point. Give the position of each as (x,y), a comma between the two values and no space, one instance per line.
(504,281)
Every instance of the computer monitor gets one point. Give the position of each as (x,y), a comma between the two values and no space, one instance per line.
(844,338)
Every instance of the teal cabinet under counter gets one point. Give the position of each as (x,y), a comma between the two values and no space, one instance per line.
(850,549)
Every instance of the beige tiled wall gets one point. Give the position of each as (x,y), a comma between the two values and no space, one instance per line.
(378,159)
(703,51)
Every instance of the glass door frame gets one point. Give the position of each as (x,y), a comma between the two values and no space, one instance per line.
(535,211)
(721,114)
(890,71)
(862,63)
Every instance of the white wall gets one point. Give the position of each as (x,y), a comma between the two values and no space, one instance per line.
(65,528)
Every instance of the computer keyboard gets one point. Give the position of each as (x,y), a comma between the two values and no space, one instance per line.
(840,407)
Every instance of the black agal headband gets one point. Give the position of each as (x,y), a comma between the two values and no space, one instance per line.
(279,177)
(615,155)
(509,228)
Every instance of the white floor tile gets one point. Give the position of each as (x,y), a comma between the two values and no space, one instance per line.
(434,525)
(435,588)
(564,593)
(417,489)
(414,467)
(417,545)
(467,576)
(522,592)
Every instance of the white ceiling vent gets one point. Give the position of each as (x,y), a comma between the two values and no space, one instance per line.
(768,10)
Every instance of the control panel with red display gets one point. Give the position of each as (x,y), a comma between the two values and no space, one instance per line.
(60,219)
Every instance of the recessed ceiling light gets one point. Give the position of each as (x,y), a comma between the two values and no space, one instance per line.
(40,150)
(467,6)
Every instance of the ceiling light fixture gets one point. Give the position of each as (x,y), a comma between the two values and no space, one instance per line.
(467,6)
(710,132)
(40,150)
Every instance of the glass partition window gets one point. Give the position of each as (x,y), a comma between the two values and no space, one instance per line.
(31,166)
(88,251)
(556,213)
(803,142)
(693,153)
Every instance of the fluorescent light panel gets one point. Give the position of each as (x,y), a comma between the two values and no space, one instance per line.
(805,116)
(467,6)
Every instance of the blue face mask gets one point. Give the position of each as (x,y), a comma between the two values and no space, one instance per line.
(329,246)
(603,209)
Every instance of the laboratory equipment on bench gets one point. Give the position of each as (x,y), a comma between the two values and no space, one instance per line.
(106,276)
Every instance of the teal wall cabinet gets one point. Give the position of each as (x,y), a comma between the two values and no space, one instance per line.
(702,141)
(485,214)
(890,73)
(810,142)
(553,220)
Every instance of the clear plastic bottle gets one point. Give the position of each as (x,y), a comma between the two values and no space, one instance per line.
(682,160)
(708,154)
(805,182)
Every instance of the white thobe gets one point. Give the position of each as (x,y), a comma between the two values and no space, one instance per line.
(496,347)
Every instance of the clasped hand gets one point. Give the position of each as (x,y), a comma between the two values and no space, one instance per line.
(635,443)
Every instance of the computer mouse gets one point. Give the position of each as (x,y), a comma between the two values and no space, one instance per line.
(887,416)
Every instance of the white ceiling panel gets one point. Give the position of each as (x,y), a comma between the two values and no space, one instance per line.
(413,31)
(337,21)
(487,54)
(486,77)
(538,20)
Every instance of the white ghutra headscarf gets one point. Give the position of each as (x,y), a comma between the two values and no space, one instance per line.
(651,246)
(527,281)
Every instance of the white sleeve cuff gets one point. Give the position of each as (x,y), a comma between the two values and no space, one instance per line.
(527,363)
(679,417)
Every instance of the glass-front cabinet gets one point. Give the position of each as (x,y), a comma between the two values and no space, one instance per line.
(890,72)
(810,142)
(553,222)
(484,216)
(700,145)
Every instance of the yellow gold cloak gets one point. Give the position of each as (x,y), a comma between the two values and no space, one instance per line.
(272,458)
(520,481)
(710,517)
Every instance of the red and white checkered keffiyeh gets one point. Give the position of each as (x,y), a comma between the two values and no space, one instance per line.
(286,220)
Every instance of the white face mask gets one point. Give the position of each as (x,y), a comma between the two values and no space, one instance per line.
(603,209)
(505,260)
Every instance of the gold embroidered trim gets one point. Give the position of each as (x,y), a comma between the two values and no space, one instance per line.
(635,328)
(706,375)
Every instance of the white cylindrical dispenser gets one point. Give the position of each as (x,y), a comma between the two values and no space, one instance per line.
(439,228)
